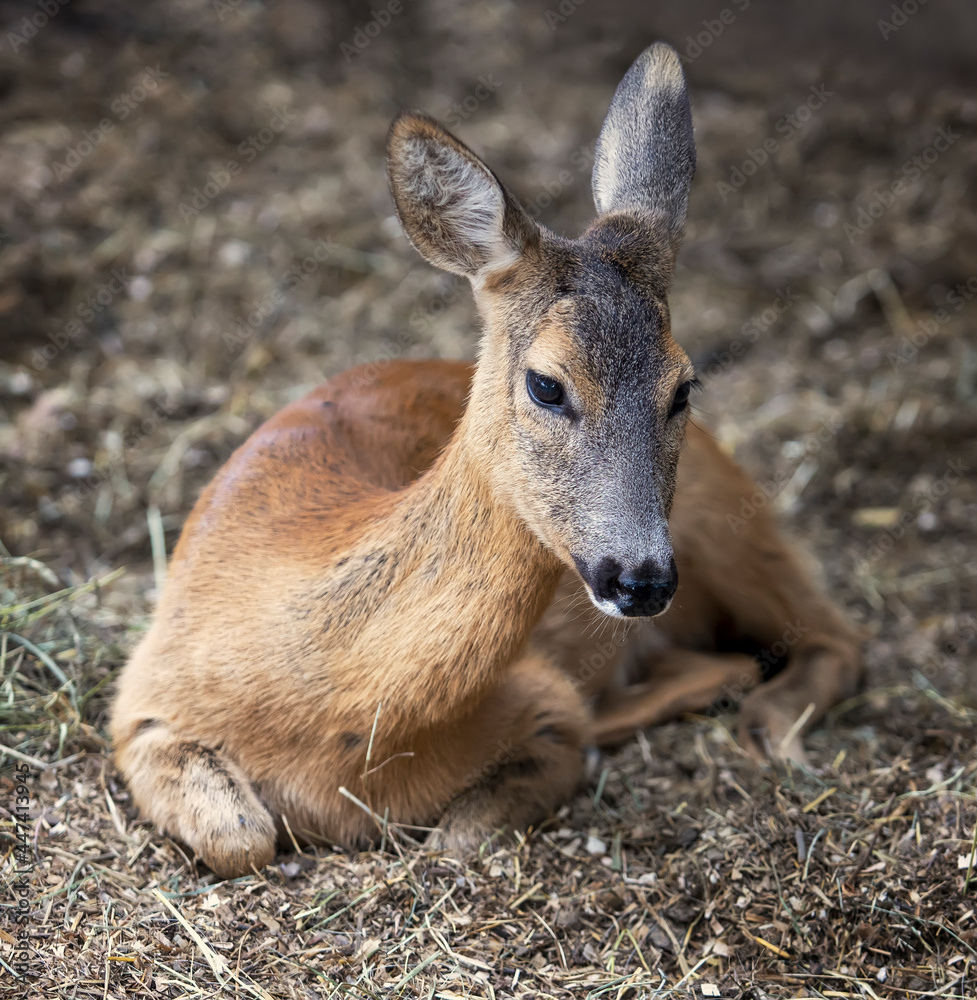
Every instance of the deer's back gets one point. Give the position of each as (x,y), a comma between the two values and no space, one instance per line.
(243,598)
(361,434)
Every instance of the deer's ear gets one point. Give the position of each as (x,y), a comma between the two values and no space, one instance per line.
(452,207)
(645,156)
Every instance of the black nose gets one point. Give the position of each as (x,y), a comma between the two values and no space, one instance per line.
(638,591)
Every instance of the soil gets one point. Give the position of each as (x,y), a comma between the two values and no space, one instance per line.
(167,169)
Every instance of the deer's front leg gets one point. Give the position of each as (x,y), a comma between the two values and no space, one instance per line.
(533,762)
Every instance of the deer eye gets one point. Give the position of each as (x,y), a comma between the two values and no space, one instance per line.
(681,400)
(544,391)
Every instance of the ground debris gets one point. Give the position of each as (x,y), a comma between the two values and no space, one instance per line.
(838,364)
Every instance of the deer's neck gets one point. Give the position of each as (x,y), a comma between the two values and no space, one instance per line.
(449,586)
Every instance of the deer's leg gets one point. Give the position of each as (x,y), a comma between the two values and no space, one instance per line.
(534,763)
(823,666)
(759,594)
(680,680)
(743,586)
(804,639)
(199,796)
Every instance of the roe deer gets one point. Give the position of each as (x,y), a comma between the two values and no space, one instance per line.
(366,571)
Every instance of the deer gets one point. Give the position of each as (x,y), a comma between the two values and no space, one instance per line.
(373,609)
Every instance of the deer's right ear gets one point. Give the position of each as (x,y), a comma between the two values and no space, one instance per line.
(645,156)
(452,207)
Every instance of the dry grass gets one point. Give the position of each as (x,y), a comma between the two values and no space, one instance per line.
(685,865)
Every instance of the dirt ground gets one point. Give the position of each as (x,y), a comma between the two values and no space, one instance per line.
(166,168)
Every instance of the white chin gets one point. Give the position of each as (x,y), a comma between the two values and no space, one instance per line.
(608,607)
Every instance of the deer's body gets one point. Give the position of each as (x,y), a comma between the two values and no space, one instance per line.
(375,558)
(385,595)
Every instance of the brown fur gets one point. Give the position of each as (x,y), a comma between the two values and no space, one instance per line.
(224,688)
(304,594)
(375,558)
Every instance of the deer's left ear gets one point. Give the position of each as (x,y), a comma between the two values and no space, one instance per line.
(452,207)
(645,156)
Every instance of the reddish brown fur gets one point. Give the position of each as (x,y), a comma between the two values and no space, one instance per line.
(258,710)
(283,686)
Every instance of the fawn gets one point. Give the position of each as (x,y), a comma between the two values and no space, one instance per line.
(367,594)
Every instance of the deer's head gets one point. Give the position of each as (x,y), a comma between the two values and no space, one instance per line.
(580,398)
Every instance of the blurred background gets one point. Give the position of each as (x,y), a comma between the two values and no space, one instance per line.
(195,229)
